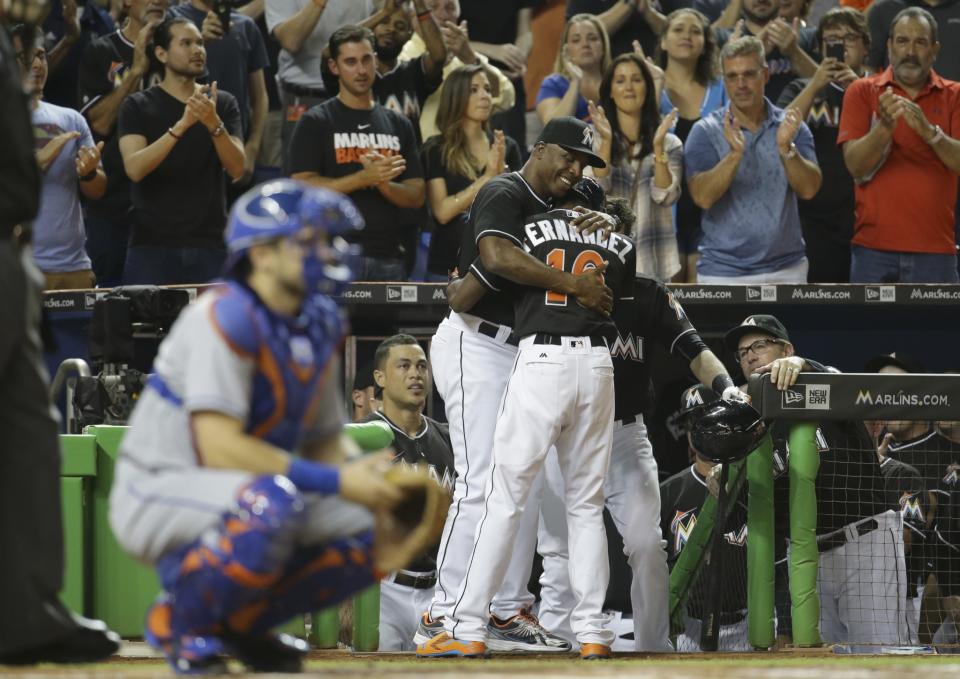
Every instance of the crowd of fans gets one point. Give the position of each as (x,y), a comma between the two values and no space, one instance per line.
(752,146)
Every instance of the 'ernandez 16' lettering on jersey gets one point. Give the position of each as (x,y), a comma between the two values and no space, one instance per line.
(557,229)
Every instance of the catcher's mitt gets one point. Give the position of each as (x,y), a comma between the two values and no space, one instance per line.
(403,533)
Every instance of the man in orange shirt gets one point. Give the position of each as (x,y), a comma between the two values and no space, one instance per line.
(898,132)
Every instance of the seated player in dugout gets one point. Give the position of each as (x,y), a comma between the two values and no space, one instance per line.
(862,573)
(927,506)
(233,479)
(681,498)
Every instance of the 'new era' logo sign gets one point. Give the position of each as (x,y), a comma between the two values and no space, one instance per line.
(402,293)
(763,293)
(880,293)
(806,397)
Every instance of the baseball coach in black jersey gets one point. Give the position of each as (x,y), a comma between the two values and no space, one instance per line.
(862,576)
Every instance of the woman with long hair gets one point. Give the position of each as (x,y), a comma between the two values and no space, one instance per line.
(688,56)
(644,160)
(583,57)
(460,160)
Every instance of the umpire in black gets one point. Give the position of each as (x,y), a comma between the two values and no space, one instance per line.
(34,624)
(861,579)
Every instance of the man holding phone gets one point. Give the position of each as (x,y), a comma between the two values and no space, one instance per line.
(236,59)
(827,218)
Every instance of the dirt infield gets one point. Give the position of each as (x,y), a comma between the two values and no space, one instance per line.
(806,664)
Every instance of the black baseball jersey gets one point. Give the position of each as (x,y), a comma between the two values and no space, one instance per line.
(849,484)
(431,447)
(931,454)
(681,498)
(501,208)
(653,314)
(943,549)
(550,238)
(905,494)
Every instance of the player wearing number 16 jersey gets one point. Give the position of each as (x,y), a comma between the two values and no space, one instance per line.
(560,394)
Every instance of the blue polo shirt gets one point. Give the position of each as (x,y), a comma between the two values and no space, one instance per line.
(755,227)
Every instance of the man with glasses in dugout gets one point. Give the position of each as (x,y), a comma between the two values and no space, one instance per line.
(861,580)
(747,164)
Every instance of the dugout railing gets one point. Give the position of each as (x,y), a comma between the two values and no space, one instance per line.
(816,399)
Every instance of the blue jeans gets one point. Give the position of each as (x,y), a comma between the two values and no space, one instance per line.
(878,266)
(377,269)
(163,265)
(107,247)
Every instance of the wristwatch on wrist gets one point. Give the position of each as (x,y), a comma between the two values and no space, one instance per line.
(218,130)
(660,157)
(90,176)
(937,135)
(791,152)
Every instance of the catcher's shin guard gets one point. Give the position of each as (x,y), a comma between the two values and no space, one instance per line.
(236,563)
(316,577)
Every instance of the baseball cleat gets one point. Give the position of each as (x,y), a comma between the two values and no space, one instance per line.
(275,653)
(445,646)
(523,632)
(186,654)
(427,629)
(594,652)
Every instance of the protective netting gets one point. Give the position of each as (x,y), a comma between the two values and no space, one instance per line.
(707,546)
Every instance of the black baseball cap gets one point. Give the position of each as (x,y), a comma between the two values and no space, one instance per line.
(591,192)
(695,397)
(364,377)
(574,135)
(755,323)
(897,359)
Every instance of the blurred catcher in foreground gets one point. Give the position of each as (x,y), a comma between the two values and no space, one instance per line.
(234,479)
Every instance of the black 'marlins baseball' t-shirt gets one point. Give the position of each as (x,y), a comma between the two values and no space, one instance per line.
(104,65)
(501,208)
(550,238)
(653,314)
(431,446)
(181,203)
(329,140)
(681,499)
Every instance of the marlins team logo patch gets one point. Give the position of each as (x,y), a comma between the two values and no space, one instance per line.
(737,538)
(910,508)
(950,479)
(682,528)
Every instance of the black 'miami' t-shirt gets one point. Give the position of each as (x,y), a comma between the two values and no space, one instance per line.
(329,140)
(446,238)
(181,203)
(833,207)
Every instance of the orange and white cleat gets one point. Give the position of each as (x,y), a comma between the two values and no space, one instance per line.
(594,652)
(445,646)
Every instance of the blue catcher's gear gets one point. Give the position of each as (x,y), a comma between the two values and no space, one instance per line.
(284,207)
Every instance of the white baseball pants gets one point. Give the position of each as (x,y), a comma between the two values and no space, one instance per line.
(471,371)
(862,586)
(400,609)
(632,492)
(557,396)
